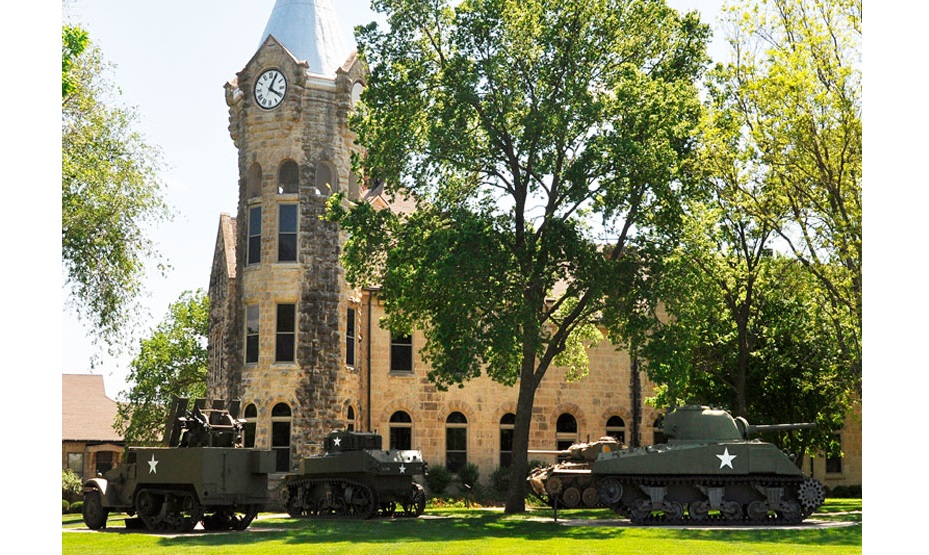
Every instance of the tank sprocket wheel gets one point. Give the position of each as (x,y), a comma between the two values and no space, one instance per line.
(811,494)
(149,506)
(93,512)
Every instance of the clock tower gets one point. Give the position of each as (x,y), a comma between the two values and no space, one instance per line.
(280,307)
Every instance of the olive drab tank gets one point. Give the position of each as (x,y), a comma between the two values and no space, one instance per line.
(203,475)
(355,478)
(709,471)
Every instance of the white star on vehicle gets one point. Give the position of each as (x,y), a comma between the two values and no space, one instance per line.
(402,469)
(726,459)
(152,464)
(337,441)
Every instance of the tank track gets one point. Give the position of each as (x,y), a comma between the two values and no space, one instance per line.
(328,498)
(776,500)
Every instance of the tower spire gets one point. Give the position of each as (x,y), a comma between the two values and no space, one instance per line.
(310,31)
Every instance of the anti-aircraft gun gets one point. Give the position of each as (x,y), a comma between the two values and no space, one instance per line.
(202,475)
(709,471)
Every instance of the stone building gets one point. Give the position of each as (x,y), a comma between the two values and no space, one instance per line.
(304,351)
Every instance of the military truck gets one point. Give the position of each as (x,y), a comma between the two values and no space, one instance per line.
(201,475)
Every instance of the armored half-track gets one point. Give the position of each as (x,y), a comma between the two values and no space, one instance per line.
(355,478)
(709,471)
(202,475)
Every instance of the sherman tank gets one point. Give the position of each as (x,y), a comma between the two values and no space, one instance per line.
(709,471)
(355,478)
(202,475)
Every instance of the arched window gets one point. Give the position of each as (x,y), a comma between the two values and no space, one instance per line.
(507,423)
(327,182)
(456,442)
(280,436)
(658,431)
(357,88)
(288,177)
(350,416)
(253,181)
(251,418)
(565,431)
(401,430)
(615,427)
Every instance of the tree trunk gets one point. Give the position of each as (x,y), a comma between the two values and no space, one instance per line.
(519,469)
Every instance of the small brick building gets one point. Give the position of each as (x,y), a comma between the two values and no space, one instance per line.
(88,442)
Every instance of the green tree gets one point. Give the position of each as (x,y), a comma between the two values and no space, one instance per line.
(790,104)
(110,194)
(747,330)
(172,362)
(543,143)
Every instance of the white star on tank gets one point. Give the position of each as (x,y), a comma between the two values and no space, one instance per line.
(152,464)
(726,459)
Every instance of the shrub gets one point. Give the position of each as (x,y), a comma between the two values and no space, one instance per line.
(76,507)
(469,475)
(70,486)
(65,506)
(437,479)
(500,480)
(846,491)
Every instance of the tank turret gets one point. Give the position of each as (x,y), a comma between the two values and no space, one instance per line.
(355,478)
(708,471)
(202,475)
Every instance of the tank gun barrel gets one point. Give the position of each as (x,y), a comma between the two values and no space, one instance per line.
(547,452)
(761,428)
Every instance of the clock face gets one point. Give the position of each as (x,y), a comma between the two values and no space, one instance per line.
(270,89)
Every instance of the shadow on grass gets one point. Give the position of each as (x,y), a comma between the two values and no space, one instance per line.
(479,525)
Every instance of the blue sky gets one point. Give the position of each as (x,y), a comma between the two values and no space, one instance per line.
(171,61)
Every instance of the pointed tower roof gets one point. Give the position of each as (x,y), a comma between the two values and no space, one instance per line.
(309,30)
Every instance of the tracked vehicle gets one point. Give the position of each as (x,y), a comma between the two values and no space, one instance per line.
(709,471)
(202,475)
(355,478)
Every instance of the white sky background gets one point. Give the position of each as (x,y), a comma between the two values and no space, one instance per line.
(173,59)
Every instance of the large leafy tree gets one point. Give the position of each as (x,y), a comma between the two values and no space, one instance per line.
(172,362)
(748,330)
(544,144)
(789,104)
(110,194)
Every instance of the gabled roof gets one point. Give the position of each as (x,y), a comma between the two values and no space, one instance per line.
(87,414)
(310,31)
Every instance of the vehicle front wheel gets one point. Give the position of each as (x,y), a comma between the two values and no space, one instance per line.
(93,512)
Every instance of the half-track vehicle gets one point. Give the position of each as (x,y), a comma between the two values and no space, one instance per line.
(202,475)
(709,471)
(355,478)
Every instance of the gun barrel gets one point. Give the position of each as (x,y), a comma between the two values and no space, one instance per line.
(547,452)
(761,428)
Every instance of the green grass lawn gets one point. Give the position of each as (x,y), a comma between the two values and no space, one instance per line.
(450,531)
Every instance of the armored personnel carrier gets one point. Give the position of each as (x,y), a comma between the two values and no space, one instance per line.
(355,478)
(203,475)
(709,471)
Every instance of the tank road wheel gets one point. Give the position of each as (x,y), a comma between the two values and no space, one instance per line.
(93,512)
(640,510)
(149,505)
(571,497)
(388,509)
(590,497)
(192,512)
(731,510)
(758,511)
(699,511)
(788,512)
(811,495)
(415,504)
(362,502)
(673,511)
(610,491)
